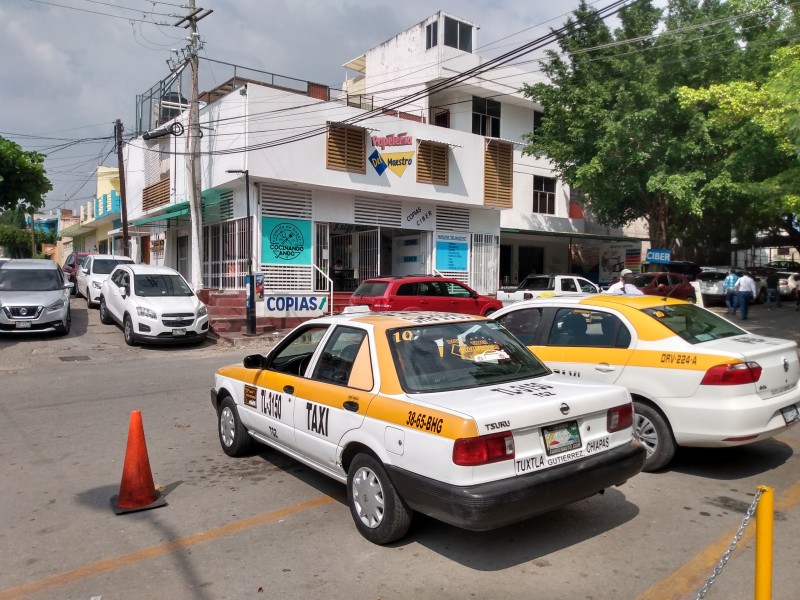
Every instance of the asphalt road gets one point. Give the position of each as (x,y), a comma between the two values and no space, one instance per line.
(240,528)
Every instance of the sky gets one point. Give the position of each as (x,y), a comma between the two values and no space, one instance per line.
(70,68)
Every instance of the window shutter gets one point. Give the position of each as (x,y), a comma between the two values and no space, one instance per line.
(498,174)
(432,163)
(346,149)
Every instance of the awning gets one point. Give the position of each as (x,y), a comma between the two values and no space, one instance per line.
(577,236)
(177,210)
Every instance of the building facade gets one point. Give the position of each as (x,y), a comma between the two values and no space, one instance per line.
(411,168)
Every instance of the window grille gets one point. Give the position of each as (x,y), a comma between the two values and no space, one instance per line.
(376,211)
(452,218)
(226,251)
(484,261)
(289,203)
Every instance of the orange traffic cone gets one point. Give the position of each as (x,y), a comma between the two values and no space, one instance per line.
(137,490)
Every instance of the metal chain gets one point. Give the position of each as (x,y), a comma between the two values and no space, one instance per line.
(718,569)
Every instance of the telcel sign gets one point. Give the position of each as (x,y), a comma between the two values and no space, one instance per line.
(662,257)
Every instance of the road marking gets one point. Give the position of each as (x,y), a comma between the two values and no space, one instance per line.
(691,575)
(125,560)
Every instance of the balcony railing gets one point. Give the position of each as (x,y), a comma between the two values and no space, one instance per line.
(156,195)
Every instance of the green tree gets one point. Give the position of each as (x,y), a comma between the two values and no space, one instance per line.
(762,124)
(613,125)
(22,177)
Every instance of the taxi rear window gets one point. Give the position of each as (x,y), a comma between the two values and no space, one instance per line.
(692,323)
(460,355)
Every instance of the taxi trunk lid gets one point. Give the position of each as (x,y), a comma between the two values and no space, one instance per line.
(780,367)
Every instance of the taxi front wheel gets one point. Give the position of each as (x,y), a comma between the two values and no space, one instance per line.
(233,436)
(651,428)
(377,509)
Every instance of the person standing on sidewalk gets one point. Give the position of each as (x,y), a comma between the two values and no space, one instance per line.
(730,293)
(772,288)
(745,291)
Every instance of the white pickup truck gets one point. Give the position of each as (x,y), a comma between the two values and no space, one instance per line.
(534,286)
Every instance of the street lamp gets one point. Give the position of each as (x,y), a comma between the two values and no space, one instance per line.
(251,297)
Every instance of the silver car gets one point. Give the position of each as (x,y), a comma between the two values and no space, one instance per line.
(34,297)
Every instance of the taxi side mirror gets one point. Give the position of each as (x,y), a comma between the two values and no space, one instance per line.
(255,361)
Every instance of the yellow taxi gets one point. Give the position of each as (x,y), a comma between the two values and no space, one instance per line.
(696,378)
(445,414)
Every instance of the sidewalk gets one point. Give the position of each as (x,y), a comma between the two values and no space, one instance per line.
(781,322)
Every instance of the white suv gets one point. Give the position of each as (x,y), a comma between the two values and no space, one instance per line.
(93,272)
(153,304)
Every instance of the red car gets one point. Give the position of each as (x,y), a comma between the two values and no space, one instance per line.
(74,262)
(422,292)
(671,285)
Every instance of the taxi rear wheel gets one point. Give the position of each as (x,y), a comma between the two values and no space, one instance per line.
(233,436)
(651,428)
(377,509)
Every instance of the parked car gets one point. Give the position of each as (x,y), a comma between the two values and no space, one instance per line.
(787,282)
(534,286)
(696,378)
(670,285)
(34,297)
(399,408)
(422,292)
(94,271)
(711,284)
(74,262)
(686,268)
(784,265)
(153,304)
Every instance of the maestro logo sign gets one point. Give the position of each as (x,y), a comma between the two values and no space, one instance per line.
(286,241)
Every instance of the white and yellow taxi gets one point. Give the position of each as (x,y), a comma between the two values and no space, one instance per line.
(445,414)
(696,379)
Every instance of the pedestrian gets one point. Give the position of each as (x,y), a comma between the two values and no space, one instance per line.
(745,292)
(625,286)
(730,293)
(772,288)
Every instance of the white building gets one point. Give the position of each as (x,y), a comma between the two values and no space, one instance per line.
(402,173)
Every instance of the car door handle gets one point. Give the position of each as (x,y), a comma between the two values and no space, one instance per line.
(288,389)
(605,368)
(351,406)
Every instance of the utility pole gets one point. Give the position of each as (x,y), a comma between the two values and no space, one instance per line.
(192,146)
(126,246)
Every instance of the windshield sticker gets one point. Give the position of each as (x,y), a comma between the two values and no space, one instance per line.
(422,318)
(250,396)
(533,389)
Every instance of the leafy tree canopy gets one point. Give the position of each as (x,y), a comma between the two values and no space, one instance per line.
(614,126)
(22,177)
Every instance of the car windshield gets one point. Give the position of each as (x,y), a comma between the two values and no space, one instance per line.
(371,288)
(712,276)
(692,323)
(463,355)
(160,285)
(104,266)
(537,283)
(30,280)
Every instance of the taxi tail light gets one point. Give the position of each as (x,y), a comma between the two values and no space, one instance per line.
(619,418)
(736,374)
(484,449)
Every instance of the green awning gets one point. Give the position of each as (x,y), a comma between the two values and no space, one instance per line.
(177,210)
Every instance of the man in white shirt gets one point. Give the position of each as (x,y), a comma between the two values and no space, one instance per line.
(625,285)
(745,291)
